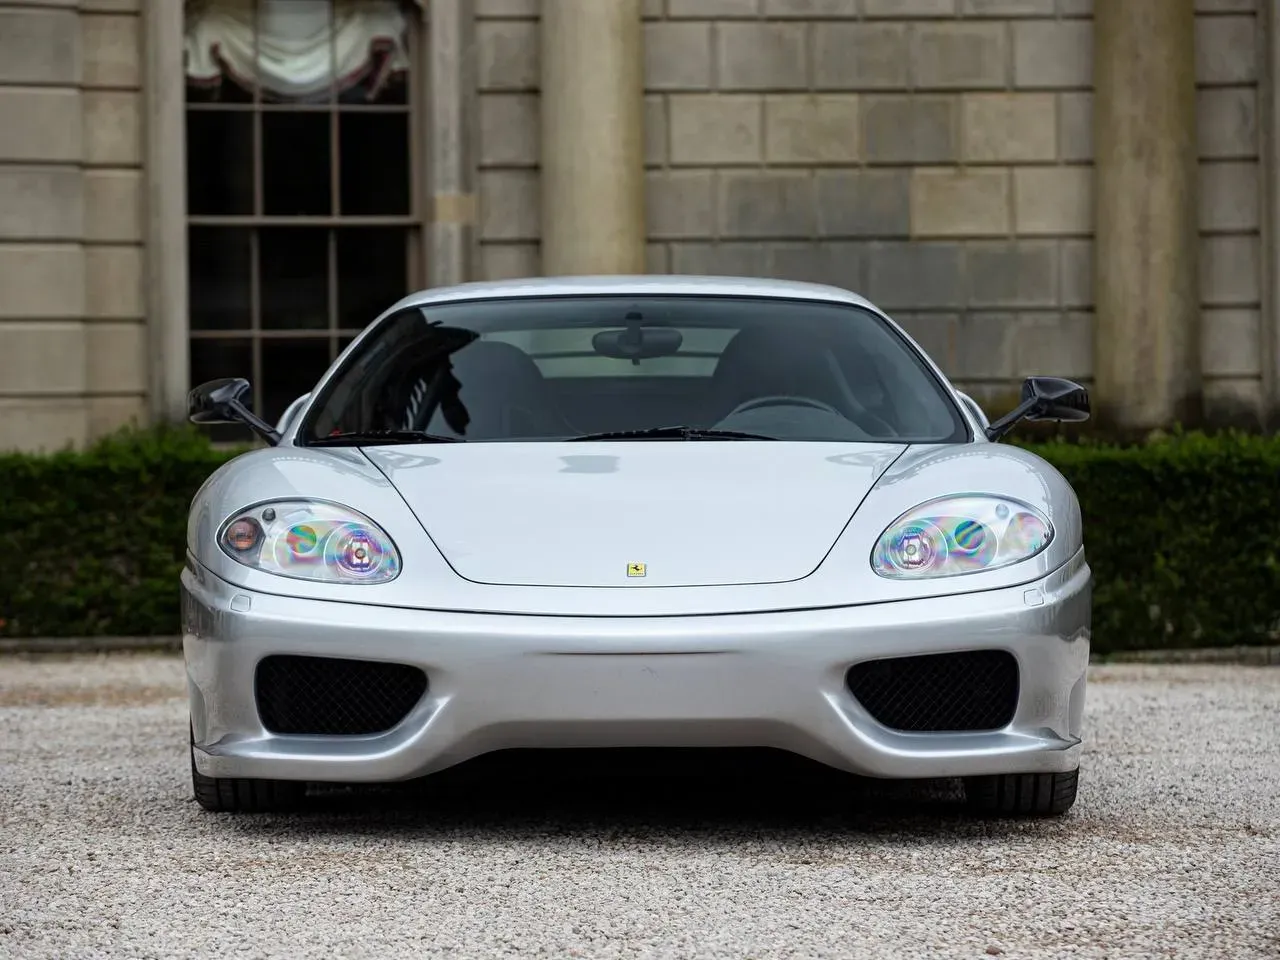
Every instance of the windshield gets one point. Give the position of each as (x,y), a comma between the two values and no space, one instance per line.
(563,367)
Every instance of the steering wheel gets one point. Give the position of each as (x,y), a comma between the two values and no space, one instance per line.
(864,418)
(782,401)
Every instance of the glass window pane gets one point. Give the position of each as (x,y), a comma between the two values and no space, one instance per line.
(219,162)
(851,378)
(296,164)
(393,91)
(293,268)
(224,89)
(213,359)
(375,163)
(218,278)
(372,273)
(290,368)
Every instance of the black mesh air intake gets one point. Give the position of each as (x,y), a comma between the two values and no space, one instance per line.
(335,697)
(973,690)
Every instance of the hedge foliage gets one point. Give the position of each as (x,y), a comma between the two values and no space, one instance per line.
(92,542)
(1182,533)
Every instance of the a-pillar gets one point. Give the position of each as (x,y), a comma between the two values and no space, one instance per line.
(1146,270)
(592,158)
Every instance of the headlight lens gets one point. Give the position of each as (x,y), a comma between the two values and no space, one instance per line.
(957,535)
(308,540)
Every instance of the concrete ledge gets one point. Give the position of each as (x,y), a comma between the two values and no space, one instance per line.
(1241,656)
(26,645)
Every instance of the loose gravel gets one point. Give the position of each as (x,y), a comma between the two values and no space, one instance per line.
(1173,848)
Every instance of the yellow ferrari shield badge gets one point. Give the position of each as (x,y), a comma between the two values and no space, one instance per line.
(635,569)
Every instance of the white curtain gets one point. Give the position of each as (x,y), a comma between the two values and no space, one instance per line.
(302,45)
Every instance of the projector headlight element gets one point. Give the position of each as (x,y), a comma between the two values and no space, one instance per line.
(311,540)
(957,535)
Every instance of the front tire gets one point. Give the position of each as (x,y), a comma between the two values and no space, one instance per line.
(241,794)
(1023,794)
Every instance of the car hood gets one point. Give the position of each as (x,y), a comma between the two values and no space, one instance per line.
(581,515)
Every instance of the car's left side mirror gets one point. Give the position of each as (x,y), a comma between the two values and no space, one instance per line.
(1045,399)
(227,401)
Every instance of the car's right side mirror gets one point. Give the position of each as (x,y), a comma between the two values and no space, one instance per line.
(227,401)
(1045,399)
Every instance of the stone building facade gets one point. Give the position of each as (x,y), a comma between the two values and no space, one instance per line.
(936,155)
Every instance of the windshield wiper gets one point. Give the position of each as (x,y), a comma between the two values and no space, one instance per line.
(357,438)
(674,433)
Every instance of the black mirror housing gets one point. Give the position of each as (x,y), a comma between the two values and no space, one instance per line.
(1056,399)
(1045,399)
(227,401)
(211,402)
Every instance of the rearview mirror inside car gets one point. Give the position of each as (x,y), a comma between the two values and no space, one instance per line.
(637,343)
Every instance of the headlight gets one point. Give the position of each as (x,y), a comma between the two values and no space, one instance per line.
(955,535)
(308,540)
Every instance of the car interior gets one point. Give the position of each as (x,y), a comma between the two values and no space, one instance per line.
(762,375)
(800,380)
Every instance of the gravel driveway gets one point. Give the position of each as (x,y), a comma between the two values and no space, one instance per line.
(1172,850)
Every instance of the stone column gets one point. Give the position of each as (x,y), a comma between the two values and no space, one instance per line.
(1146,269)
(448,86)
(592,137)
(166,212)
(1269,22)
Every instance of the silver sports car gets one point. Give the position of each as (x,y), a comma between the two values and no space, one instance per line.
(636,512)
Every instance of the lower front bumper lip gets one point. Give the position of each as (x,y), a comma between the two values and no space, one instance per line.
(286,759)
(756,680)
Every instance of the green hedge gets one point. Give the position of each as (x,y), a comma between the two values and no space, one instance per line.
(92,542)
(1182,534)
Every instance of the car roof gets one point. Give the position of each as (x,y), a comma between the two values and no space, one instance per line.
(638,284)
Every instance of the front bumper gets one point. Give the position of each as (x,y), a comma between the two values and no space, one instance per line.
(752,680)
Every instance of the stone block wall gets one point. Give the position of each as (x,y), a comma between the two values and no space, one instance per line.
(934,155)
(509,215)
(1230,53)
(72,330)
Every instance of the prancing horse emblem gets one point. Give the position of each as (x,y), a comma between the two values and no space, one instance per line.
(635,569)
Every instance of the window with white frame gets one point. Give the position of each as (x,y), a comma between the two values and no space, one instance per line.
(303,181)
